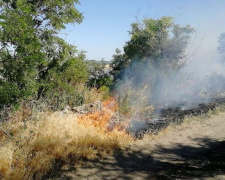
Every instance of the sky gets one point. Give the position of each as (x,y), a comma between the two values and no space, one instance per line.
(107,22)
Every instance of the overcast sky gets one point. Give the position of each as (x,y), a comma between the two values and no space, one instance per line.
(107,22)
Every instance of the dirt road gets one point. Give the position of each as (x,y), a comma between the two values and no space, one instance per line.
(193,150)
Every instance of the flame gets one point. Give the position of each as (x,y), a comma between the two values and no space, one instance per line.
(101,119)
(111,104)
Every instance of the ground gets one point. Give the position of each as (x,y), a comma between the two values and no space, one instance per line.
(194,149)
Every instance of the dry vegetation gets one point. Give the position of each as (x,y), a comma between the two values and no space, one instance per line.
(30,149)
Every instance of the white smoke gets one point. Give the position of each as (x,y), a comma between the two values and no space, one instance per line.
(202,78)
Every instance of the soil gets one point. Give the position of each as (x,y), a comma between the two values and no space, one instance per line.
(192,150)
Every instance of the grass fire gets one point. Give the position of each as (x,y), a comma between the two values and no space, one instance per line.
(152,110)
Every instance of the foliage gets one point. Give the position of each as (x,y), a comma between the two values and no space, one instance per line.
(31,53)
(9,93)
(99,75)
(132,101)
(61,85)
(120,62)
(160,43)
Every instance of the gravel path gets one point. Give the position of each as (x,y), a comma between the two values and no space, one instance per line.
(193,150)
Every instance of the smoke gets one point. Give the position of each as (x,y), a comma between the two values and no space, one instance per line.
(198,81)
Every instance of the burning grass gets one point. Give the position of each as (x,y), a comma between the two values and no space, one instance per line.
(35,146)
(30,149)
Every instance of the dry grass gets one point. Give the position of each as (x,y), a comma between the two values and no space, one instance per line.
(212,113)
(36,145)
(91,95)
(132,100)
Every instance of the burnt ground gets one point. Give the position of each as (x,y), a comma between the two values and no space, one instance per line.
(192,150)
(163,116)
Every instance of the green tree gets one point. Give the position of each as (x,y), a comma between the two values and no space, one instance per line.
(30,49)
(155,52)
(98,75)
(65,85)
(120,62)
(160,43)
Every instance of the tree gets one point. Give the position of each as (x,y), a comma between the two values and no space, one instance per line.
(30,49)
(119,63)
(152,59)
(158,43)
(99,76)
(65,85)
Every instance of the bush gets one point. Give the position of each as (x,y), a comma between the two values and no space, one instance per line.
(132,100)
(9,93)
(65,85)
(98,75)
(104,90)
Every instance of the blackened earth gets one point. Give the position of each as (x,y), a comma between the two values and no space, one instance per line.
(153,122)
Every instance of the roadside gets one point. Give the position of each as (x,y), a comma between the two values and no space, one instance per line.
(193,150)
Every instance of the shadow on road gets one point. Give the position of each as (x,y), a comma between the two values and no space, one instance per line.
(181,162)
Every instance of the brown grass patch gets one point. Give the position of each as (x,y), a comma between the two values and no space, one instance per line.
(36,145)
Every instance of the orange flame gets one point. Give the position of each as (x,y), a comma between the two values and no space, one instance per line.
(101,119)
(110,104)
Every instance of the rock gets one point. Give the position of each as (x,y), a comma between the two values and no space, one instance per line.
(88,108)
(66,110)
